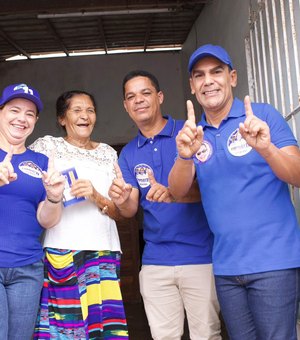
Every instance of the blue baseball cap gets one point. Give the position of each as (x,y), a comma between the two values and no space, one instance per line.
(21,91)
(210,51)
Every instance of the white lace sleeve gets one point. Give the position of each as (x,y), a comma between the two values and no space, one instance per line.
(43,145)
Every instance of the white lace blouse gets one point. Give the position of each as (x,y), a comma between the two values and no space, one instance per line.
(82,226)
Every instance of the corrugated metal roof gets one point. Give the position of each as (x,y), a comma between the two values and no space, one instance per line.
(44,26)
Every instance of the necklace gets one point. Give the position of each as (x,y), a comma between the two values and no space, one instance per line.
(83,145)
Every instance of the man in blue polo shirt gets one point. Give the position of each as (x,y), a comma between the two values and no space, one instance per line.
(176,272)
(244,155)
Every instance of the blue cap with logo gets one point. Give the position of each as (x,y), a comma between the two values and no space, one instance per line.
(21,91)
(210,51)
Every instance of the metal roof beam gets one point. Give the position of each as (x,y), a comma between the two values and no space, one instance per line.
(102,33)
(56,36)
(14,44)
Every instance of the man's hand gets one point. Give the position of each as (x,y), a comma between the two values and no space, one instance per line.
(255,131)
(158,192)
(119,190)
(190,137)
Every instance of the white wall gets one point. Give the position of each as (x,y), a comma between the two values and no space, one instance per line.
(102,76)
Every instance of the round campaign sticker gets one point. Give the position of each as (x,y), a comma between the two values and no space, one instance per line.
(31,169)
(237,145)
(141,174)
(205,151)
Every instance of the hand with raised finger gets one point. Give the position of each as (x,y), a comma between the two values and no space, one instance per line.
(119,190)
(7,172)
(190,137)
(54,181)
(255,131)
(157,191)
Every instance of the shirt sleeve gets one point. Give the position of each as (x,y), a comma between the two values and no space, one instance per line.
(281,133)
(43,145)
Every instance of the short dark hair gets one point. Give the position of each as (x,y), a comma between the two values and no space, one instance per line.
(63,102)
(141,73)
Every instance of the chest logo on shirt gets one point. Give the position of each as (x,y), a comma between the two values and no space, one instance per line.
(31,169)
(237,145)
(141,174)
(205,151)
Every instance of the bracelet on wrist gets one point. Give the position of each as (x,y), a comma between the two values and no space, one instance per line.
(104,209)
(185,158)
(53,201)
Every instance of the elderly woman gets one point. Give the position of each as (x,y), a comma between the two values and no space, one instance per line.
(30,199)
(81,298)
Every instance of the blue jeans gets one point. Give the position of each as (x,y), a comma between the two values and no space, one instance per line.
(20,290)
(260,306)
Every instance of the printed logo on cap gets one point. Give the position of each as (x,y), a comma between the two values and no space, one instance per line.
(141,174)
(237,145)
(205,151)
(23,87)
(31,169)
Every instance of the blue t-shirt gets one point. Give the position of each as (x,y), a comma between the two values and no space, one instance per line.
(19,200)
(174,233)
(248,208)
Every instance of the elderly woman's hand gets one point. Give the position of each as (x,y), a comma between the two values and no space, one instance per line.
(83,188)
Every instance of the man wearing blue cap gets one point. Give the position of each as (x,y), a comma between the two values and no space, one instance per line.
(244,155)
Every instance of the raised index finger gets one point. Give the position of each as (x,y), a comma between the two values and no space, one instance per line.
(151,177)
(190,112)
(248,108)
(51,161)
(118,171)
(9,155)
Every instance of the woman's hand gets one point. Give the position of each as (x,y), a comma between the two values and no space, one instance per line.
(83,188)
(7,173)
(54,182)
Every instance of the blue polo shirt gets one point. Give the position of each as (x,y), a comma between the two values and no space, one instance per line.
(19,200)
(174,233)
(248,208)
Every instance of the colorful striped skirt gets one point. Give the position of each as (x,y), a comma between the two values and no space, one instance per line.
(81,296)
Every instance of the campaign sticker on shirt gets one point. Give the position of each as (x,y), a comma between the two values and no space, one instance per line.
(237,145)
(205,151)
(141,174)
(31,169)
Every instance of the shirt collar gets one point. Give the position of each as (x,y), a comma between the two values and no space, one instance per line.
(237,110)
(167,131)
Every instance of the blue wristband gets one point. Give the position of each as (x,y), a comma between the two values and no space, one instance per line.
(185,158)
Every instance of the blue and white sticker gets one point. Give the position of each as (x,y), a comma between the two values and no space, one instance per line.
(31,169)
(141,174)
(237,145)
(205,151)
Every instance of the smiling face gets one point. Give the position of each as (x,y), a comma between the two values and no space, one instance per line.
(17,120)
(142,101)
(212,82)
(80,117)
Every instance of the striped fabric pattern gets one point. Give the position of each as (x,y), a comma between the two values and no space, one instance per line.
(81,296)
